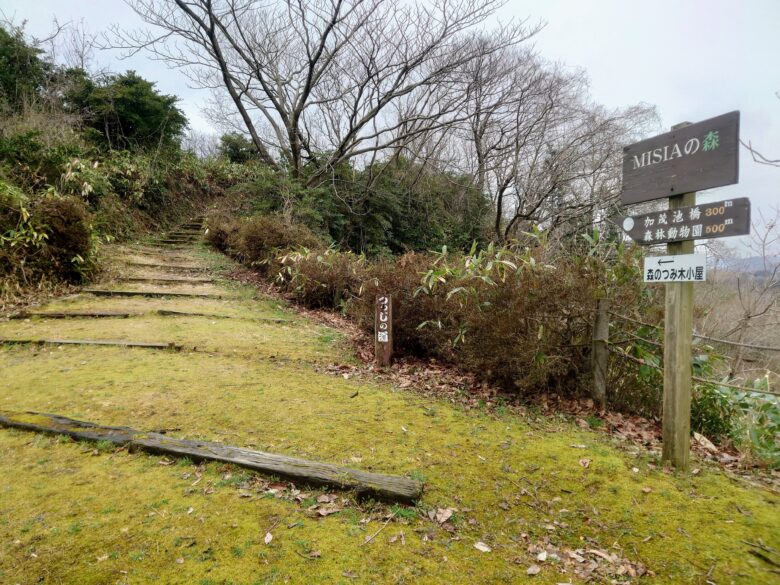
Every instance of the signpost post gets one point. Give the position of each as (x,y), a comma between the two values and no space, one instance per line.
(675,165)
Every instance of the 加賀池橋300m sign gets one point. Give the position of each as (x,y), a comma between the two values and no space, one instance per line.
(694,157)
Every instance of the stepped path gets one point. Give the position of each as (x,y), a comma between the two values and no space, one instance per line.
(185,352)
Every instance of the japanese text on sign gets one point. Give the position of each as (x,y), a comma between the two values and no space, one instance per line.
(710,220)
(682,268)
(690,158)
(382,332)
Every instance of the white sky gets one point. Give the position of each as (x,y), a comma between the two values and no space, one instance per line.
(692,59)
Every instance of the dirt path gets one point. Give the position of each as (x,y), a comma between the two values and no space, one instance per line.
(504,495)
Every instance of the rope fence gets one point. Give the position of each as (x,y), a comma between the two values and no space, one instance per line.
(696,378)
(696,335)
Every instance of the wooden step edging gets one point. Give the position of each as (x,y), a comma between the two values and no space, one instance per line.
(182,267)
(386,487)
(140,293)
(72,315)
(104,342)
(170,313)
(154,279)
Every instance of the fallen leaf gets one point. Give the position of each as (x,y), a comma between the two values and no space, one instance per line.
(180,561)
(328,510)
(647,490)
(533,570)
(585,462)
(102,558)
(268,538)
(481,546)
(542,556)
(444,514)
(190,510)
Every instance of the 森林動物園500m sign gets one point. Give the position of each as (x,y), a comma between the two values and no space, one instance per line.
(694,157)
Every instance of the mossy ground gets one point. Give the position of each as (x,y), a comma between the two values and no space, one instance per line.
(71,513)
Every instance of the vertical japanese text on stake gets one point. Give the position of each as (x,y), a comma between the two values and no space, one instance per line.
(384,317)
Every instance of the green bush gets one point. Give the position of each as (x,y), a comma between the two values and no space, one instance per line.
(322,278)
(69,247)
(491,312)
(715,414)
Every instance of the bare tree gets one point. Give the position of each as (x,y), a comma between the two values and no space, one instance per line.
(201,144)
(757,290)
(538,147)
(321,82)
(757,156)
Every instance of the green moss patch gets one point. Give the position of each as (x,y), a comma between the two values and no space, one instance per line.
(87,513)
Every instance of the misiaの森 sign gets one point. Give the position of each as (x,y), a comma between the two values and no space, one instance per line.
(692,158)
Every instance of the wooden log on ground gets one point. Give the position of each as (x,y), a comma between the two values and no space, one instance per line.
(387,487)
(182,267)
(169,313)
(140,293)
(109,342)
(72,315)
(168,280)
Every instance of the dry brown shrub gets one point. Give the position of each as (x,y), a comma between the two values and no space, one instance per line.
(258,237)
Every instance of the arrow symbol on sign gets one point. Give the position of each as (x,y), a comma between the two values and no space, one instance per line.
(666,262)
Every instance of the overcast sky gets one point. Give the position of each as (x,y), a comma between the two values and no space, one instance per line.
(693,60)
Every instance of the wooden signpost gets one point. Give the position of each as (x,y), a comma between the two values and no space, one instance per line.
(691,157)
(383,330)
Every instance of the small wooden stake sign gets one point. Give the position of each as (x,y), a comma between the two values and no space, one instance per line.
(383,330)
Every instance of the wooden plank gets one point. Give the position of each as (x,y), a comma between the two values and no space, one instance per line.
(182,280)
(690,158)
(108,342)
(388,487)
(168,266)
(140,293)
(168,313)
(678,336)
(72,315)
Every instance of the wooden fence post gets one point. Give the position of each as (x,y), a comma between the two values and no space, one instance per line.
(383,330)
(600,353)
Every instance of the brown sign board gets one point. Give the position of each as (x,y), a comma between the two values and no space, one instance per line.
(720,219)
(691,158)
